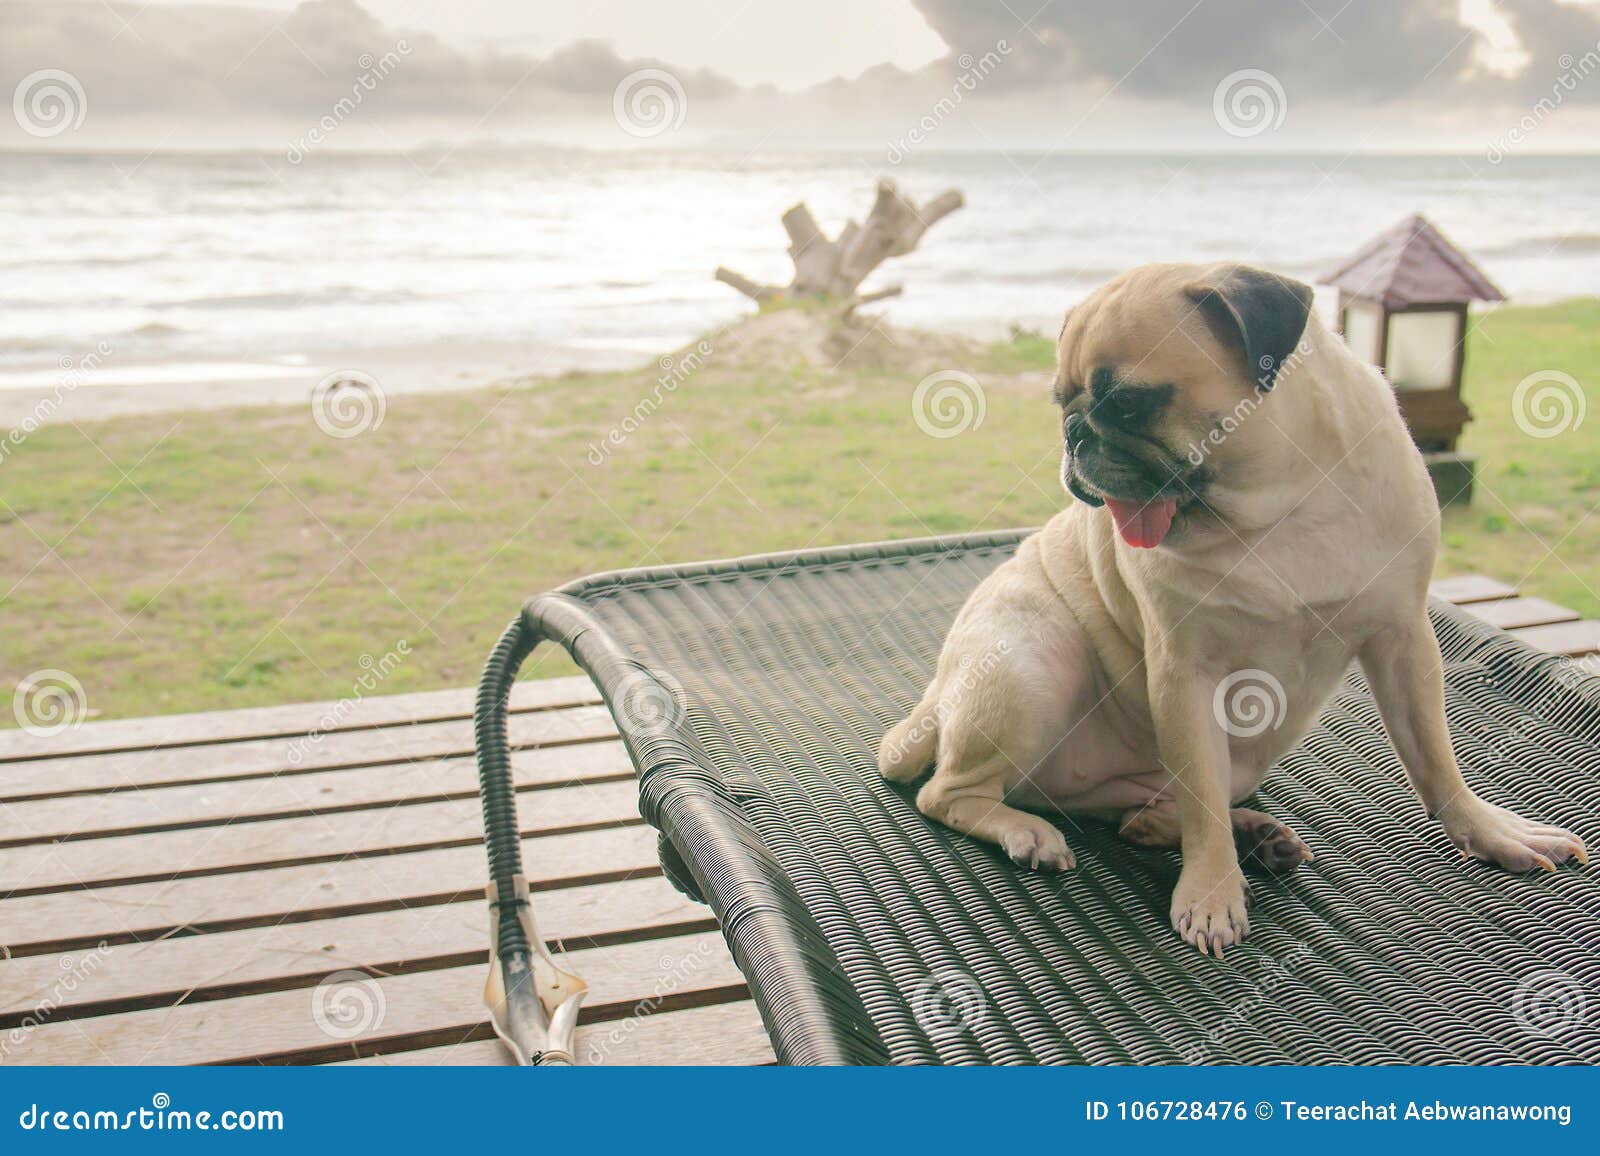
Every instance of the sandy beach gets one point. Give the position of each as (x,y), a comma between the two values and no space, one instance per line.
(103,388)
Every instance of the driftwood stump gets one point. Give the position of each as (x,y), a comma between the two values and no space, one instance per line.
(833,270)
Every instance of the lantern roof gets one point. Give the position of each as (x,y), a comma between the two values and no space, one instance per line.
(1412,264)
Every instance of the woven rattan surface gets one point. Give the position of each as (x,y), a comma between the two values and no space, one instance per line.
(753,694)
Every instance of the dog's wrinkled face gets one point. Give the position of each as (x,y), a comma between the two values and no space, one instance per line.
(1145,367)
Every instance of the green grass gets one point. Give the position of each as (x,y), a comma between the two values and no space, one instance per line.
(246,558)
(1535,516)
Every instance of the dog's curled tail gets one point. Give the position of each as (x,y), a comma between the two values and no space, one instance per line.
(908,749)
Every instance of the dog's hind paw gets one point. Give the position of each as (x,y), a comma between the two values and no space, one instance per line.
(1264,842)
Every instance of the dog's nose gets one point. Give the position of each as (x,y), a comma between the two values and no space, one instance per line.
(1078,431)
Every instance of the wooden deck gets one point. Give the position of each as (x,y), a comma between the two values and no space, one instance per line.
(179,891)
(221,888)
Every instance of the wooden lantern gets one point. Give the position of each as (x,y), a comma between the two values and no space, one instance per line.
(1403,306)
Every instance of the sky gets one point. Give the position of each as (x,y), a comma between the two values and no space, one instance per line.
(1136,75)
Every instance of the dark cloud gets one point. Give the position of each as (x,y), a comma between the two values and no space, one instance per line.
(1366,51)
(160,74)
(198,65)
(1556,37)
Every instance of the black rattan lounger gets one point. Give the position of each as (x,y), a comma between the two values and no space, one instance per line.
(752,694)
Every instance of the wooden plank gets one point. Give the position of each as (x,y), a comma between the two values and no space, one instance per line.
(241,846)
(290,719)
(1470,588)
(193,968)
(723,1034)
(63,920)
(327,792)
(1573,639)
(290,755)
(424,1009)
(1511,613)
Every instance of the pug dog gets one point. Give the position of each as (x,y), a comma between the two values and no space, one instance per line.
(1251,514)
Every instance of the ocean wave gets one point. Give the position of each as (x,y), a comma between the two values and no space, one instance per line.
(332,295)
(1067,274)
(80,262)
(154,329)
(46,343)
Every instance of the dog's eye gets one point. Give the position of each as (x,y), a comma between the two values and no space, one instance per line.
(1131,406)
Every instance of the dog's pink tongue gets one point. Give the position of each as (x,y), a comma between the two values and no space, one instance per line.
(1142,524)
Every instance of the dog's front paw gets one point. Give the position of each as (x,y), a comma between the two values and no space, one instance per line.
(1496,835)
(1039,845)
(1209,908)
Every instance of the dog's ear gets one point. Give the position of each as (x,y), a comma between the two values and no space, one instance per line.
(1262,311)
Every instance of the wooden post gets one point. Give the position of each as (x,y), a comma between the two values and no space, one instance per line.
(833,270)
